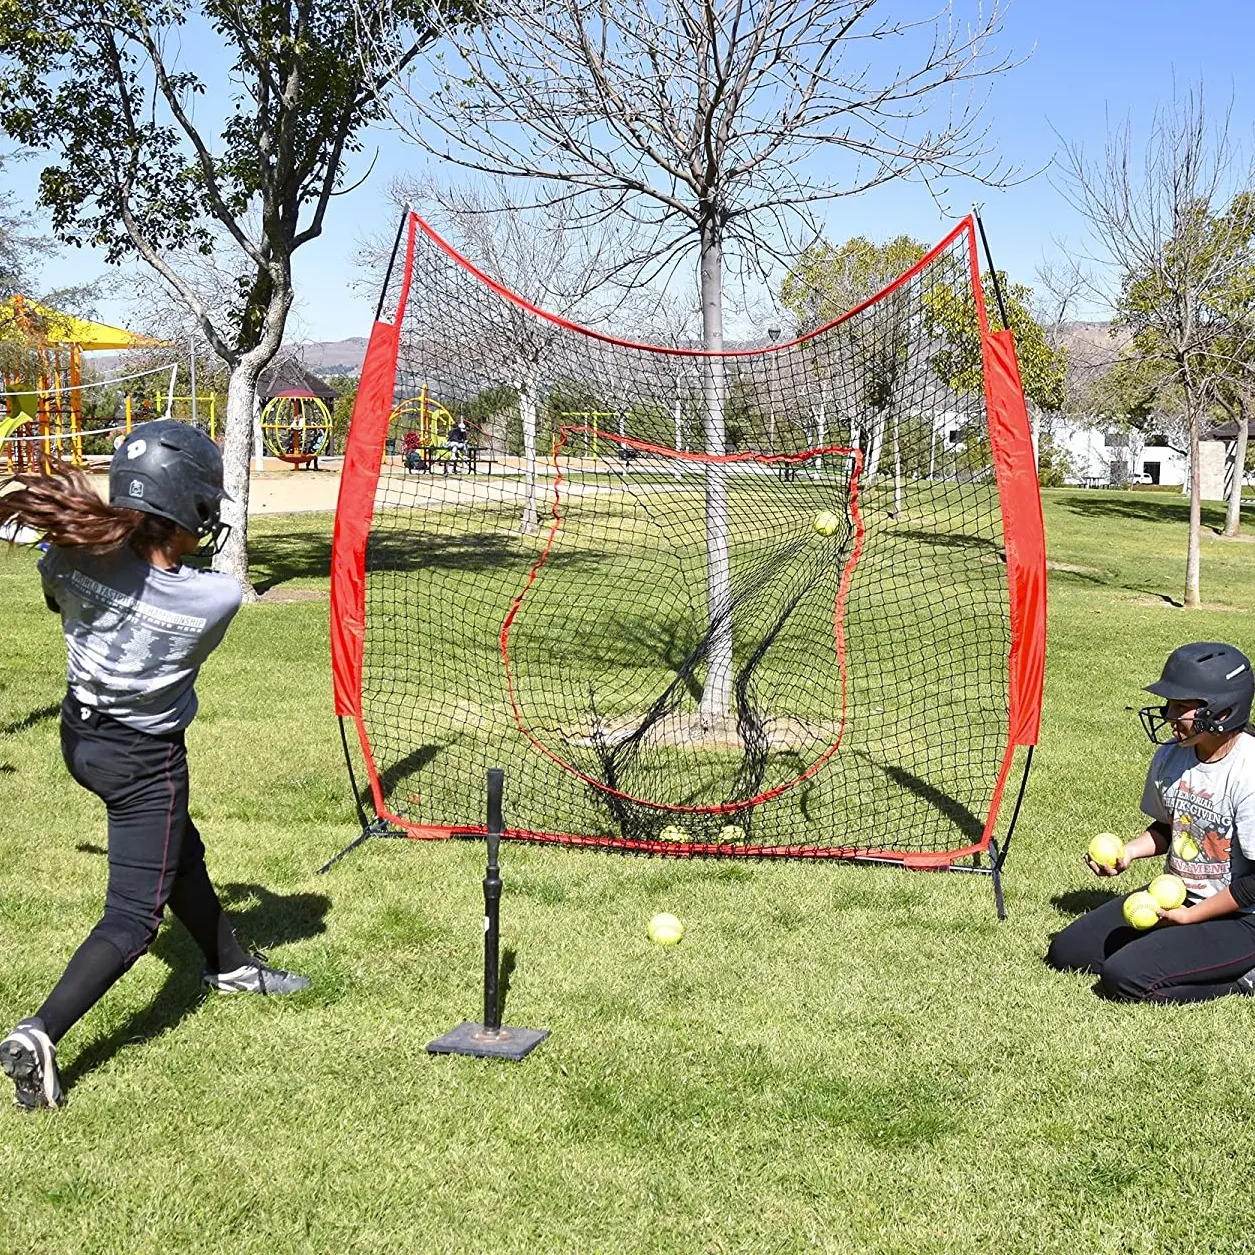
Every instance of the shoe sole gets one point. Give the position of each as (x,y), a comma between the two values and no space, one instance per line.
(30,1062)
(19,1059)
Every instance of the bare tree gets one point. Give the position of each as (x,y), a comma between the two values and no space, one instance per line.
(1160,220)
(693,118)
(543,253)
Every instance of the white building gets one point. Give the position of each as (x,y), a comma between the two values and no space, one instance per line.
(1102,458)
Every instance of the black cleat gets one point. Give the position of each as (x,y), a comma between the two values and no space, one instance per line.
(29,1060)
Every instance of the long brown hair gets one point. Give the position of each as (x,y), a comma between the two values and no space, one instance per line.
(64,507)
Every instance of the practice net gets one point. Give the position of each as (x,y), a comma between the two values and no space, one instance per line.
(819,633)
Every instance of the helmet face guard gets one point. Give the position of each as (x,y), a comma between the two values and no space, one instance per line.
(1214,674)
(1158,726)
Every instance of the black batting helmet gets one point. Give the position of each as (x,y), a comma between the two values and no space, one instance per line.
(172,470)
(1216,674)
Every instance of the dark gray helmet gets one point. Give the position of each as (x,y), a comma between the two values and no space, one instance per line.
(172,470)
(1208,671)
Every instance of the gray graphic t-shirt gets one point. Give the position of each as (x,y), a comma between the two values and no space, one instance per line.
(137,635)
(1211,810)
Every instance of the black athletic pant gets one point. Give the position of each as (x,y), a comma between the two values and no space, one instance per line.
(1167,963)
(155,858)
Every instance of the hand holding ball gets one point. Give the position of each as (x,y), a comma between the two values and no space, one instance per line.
(1141,910)
(1106,849)
(1168,891)
(665,929)
(826,523)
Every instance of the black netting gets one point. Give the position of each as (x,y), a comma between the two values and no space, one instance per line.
(792,641)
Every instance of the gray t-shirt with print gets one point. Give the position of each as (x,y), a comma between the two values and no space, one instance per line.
(136,635)
(1211,810)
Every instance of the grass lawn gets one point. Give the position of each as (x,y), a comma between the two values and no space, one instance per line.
(834,1059)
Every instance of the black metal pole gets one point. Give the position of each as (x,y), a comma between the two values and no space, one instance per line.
(492,903)
(984,239)
(396,245)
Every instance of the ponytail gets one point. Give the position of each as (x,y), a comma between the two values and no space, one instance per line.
(64,507)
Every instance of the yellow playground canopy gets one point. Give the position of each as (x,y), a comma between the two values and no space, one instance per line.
(55,328)
(43,392)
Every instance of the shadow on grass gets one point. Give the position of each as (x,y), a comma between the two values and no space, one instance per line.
(30,720)
(269,919)
(970,825)
(1081,901)
(948,540)
(391,776)
(1098,505)
(277,557)
(509,961)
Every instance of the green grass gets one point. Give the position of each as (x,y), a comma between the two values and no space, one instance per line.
(834,1059)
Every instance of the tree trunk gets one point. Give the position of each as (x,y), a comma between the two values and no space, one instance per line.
(897,469)
(237,452)
(875,443)
(528,385)
(1192,599)
(716,700)
(237,436)
(1233,515)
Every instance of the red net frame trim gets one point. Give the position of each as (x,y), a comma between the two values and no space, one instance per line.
(1019,500)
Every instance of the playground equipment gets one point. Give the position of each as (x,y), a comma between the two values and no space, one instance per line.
(296,427)
(295,417)
(43,413)
(419,427)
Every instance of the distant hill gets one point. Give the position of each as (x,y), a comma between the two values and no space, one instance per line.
(1090,344)
(332,357)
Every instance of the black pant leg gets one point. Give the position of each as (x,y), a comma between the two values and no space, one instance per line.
(1182,962)
(195,904)
(143,782)
(1087,942)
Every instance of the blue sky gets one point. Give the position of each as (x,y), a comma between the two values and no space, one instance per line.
(1092,62)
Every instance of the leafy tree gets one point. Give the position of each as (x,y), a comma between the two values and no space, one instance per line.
(1180,240)
(952,318)
(137,167)
(828,281)
(341,408)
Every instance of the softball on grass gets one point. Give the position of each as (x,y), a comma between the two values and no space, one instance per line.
(826,523)
(1168,891)
(1106,849)
(729,833)
(665,929)
(1141,910)
(673,832)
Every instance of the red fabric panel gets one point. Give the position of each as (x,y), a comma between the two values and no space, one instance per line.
(1023,535)
(355,505)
